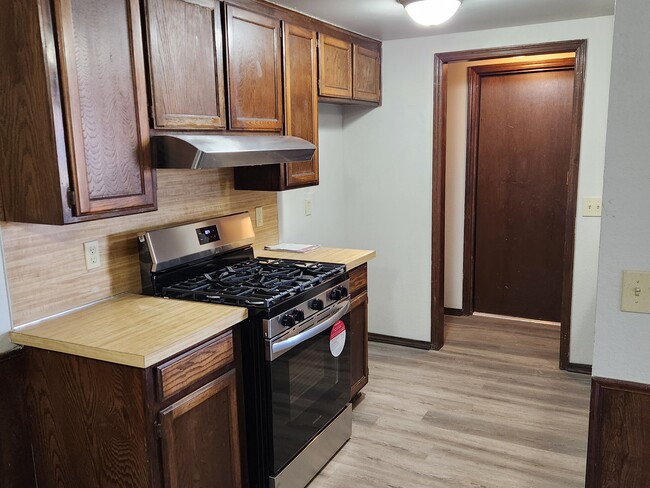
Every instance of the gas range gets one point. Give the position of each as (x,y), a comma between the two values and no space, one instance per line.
(295,350)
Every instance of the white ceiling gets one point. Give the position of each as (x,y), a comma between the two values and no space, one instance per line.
(386,19)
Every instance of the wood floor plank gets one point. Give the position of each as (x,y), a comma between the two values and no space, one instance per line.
(490,410)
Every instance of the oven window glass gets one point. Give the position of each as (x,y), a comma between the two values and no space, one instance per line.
(309,387)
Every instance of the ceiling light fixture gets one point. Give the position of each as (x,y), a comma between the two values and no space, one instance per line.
(431,12)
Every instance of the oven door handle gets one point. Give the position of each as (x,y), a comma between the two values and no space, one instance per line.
(276,349)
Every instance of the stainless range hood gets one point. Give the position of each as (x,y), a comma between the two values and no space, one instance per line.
(205,151)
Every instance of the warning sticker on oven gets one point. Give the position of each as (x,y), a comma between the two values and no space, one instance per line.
(337,338)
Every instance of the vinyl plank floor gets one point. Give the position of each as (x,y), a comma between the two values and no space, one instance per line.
(490,410)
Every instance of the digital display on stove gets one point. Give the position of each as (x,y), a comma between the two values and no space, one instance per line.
(207,234)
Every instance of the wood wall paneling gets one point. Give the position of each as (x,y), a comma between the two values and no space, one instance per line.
(16,463)
(45,265)
(619,435)
(186,63)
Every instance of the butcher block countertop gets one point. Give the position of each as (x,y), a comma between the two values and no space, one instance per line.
(352,258)
(134,330)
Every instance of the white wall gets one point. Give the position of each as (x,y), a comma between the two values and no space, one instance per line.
(326,224)
(5,317)
(623,338)
(388,153)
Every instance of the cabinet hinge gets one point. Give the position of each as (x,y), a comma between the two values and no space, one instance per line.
(72,198)
(158,429)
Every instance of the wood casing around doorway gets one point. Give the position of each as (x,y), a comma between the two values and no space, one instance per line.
(579,47)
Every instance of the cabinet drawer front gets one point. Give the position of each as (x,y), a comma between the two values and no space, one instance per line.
(181,372)
(358,279)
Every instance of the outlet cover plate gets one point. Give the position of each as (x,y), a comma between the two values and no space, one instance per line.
(91,252)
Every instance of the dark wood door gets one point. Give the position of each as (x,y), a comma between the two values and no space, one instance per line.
(301,99)
(367,74)
(254,70)
(334,67)
(186,64)
(104,87)
(358,343)
(523,156)
(200,438)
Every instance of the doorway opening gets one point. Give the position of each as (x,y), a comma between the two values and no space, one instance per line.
(566,207)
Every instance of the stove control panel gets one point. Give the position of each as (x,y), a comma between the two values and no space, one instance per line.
(300,315)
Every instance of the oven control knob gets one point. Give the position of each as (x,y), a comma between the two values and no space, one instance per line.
(344,292)
(288,320)
(335,294)
(298,315)
(316,304)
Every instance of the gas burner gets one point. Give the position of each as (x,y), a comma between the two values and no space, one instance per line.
(259,283)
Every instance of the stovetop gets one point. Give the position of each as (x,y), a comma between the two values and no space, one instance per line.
(257,283)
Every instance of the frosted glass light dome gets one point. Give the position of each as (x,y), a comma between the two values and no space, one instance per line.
(432,12)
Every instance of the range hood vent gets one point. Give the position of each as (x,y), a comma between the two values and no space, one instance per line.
(206,151)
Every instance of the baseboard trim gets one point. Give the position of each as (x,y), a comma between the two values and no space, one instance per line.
(399,341)
(457,312)
(619,434)
(579,368)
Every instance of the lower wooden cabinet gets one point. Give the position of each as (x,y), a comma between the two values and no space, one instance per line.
(358,343)
(200,441)
(358,329)
(100,424)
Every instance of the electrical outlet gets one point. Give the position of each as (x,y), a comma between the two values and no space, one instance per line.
(592,207)
(259,216)
(91,251)
(308,203)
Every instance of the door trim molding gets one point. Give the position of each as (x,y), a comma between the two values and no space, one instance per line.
(474,75)
(577,46)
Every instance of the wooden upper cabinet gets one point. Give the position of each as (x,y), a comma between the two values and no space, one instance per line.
(334,67)
(200,437)
(254,70)
(186,64)
(74,142)
(104,94)
(301,99)
(367,74)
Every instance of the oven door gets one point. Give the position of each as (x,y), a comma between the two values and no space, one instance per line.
(309,376)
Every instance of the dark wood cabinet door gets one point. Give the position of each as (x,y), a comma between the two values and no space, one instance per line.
(104,93)
(358,343)
(301,99)
(200,438)
(367,73)
(334,67)
(254,70)
(186,64)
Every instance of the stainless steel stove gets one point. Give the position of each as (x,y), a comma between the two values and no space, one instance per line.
(295,350)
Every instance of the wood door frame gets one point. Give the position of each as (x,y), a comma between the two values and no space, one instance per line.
(474,75)
(579,47)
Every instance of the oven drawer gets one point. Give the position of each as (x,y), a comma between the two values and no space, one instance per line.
(190,367)
(358,279)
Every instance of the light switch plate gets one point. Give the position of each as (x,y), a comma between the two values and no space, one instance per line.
(308,204)
(636,291)
(592,207)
